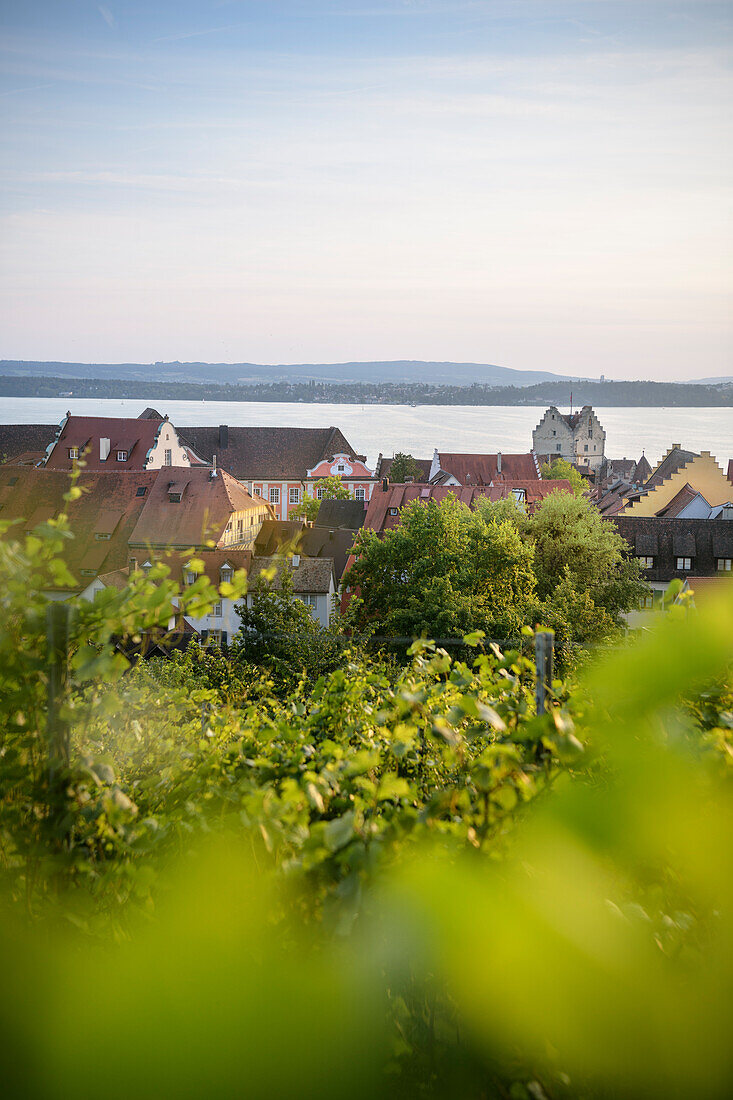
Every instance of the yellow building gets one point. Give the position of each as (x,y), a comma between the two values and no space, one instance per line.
(677,469)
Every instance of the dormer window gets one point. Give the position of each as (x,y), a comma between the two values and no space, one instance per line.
(393,511)
(146,567)
(73,452)
(122,456)
(141,490)
(189,577)
(226,574)
(724,565)
(519,494)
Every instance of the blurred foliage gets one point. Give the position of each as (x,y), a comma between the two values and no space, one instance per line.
(326,488)
(561,468)
(395,883)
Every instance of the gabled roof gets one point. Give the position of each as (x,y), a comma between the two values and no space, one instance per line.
(135,436)
(312,575)
(383,505)
(678,502)
(266,453)
(643,470)
(474,469)
(674,460)
(101,520)
(274,534)
(341,513)
(18,439)
(202,513)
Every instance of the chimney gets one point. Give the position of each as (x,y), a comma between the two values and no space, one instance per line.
(385,484)
(213,469)
(498,463)
(223,436)
(295,561)
(104,446)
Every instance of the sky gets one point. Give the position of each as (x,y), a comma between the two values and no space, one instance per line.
(537,184)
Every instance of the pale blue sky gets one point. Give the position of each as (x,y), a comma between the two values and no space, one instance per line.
(542,185)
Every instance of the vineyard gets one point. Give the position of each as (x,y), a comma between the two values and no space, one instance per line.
(395,878)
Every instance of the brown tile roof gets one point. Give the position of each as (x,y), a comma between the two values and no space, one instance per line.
(101,520)
(673,461)
(202,513)
(382,504)
(342,513)
(318,541)
(679,501)
(18,439)
(274,534)
(266,453)
(472,469)
(310,575)
(177,561)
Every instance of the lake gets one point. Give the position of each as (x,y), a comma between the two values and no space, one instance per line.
(418,431)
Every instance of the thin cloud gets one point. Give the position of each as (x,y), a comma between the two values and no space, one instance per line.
(107,16)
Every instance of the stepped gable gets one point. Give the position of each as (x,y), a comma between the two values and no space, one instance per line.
(25,440)
(101,520)
(188,506)
(675,458)
(268,454)
(475,469)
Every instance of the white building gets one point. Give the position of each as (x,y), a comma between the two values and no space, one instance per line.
(576,437)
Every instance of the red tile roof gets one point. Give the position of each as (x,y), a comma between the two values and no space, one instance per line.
(679,501)
(472,469)
(379,517)
(135,436)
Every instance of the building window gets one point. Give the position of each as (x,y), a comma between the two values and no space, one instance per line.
(294,496)
(168,458)
(141,490)
(214,637)
(590,433)
(393,511)
(274,496)
(359,494)
(585,448)
(101,537)
(122,456)
(340,468)
(216,610)
(683,563)
(554,432)
(189,577)
(647,603)
(88,572)
(308,599)
(724,565)
(226,574)
(558,447)
(257,490)
(645,561)
(519,494)
(132,565)
(240,527)
(73,452)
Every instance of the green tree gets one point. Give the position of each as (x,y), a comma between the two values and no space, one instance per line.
(280,633)
(560,468)
(574,546)
(404,466)
(330,488)
(445,571)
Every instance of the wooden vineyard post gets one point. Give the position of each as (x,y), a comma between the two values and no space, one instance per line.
(543,655)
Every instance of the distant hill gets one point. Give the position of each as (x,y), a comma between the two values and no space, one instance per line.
(721,380)
(399,370)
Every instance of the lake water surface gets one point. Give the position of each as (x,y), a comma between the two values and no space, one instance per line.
(418,431)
